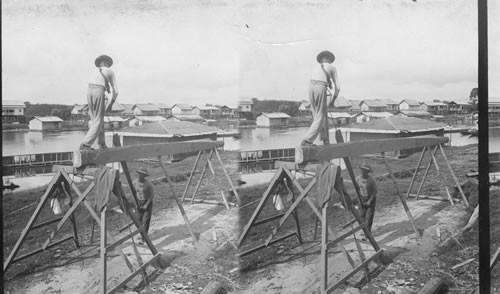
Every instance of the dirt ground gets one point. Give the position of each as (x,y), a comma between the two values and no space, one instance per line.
(286,267)
(66,269)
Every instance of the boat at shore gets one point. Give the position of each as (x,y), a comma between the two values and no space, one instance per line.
(473,132)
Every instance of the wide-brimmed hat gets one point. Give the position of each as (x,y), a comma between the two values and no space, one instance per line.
(142,171)
(101,58)
(366,167)
(327,54)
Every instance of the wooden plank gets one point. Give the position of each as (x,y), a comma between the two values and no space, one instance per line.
(109,155)
(353,272)
(202,176)
(272,184)
(324,249)
(224,199)
(228,177)
(454,177)
(403,201)
(436,165)
(86,171)
(326,152)
(52,185)
(268,219)
(191,176)
(177,200)
(426,173)
(42,224)
(494,258)
(347,161)
(67,192)
(290,210)
(103,262)
(135,273)
(262,246)
(333,242)
(416,170)
(71,210)
(116,143)
(216,202)
(40,250)
(311,167)
(123,239)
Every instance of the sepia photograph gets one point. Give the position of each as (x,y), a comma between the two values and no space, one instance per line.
(182,147)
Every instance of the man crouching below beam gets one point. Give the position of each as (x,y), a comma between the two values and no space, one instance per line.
(323,77)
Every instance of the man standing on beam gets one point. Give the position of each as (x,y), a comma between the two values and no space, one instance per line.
(100,81)
(323,77)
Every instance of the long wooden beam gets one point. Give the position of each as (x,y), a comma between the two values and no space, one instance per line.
(119,154)
(326,152)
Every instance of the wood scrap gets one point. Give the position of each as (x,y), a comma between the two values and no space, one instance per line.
(494,259)
(470,224)
(463,263)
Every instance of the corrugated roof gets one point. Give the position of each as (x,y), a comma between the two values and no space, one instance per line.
(245,102)
(191,117)
(435,104)
(150,118)
(415,112)
(171,127)
(183,106)
(411,102)
(48,118)
(146,107)
(113,119)
(207,108)
(161,105)
(15,103)
(374,103)
(341,101)
(389,102)
(376,113)
(397,123)
(306,103)
(339,115)
(275,115)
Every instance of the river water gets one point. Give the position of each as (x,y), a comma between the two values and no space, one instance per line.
(14,143)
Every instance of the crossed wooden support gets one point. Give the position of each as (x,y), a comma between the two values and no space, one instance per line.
(82,161)
(323,154)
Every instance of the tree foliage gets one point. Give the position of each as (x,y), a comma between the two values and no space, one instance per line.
(289,107)
(59,110)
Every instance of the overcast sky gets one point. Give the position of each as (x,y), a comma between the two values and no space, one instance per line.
(199,52)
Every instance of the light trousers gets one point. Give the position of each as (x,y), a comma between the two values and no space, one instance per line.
(96,102)
(319,109)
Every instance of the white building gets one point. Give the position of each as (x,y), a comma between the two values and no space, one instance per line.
(275,119)
(12,111)
(139,120)
(43,123)
(206,111)
(145,109)
(164,109)
(368,115)
(409,104)
(338,118)
(181,109)
(245,105)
